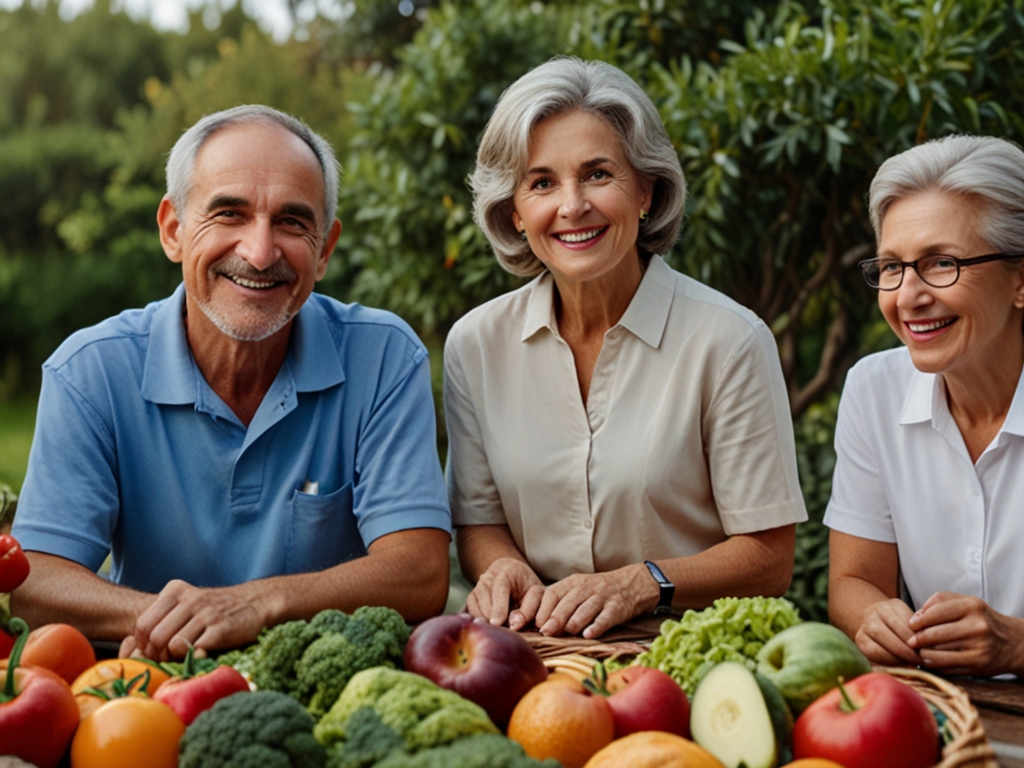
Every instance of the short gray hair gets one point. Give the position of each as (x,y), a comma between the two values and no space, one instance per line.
(567,84)
(182,161)
(986,169)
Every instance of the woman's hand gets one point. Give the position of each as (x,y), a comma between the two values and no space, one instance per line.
(507,590)
(884,634)
(963,635)
(593,603)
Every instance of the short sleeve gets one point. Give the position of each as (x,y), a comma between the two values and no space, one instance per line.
(859,504)
(748,431)
(400,485)
(69,502)
(472,491)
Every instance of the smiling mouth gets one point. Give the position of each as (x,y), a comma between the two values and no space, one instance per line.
(933,326)
(259,285)
(580,237)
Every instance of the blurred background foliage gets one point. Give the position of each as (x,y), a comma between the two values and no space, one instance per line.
(781,112)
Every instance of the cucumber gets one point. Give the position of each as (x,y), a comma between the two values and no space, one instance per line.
(740,719)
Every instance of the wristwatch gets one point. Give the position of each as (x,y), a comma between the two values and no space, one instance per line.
(666,587)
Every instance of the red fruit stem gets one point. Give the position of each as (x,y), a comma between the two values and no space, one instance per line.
(846,705)
(20,629)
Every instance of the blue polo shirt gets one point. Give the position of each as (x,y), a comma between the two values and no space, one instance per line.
(135,454)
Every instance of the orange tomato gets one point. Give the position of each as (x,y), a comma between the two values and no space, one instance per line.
(559,718)
(127,733)
(110,669)
(59,648)
(654,749)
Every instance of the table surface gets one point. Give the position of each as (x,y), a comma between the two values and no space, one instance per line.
(1000,704)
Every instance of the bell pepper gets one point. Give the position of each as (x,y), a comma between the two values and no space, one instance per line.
(189,693)
(13,563)
(38,713)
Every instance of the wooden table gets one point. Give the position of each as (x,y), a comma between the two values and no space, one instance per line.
(1000,704)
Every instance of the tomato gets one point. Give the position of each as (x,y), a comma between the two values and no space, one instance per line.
(93,697)
(191,693)
(13,563)
(38,713)
(110,669)
(60,648)
(127,733)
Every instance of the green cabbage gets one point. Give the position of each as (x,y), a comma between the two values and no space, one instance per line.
(732,629)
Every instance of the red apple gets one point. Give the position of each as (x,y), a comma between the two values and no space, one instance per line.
(645,699)
(872,721)
(492,666)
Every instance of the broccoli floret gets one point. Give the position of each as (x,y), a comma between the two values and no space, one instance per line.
(483,750)
(419,711)
(329,620)
(372,637)
(369,741)
(260,729)
(277,652)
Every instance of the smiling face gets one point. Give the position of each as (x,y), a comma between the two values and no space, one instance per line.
(969,325)
(580,200)
(250,241)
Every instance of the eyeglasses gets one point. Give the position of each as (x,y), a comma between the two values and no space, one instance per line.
(937,270)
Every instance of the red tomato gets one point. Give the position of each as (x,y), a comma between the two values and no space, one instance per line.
(879,723)
(188,697)
(13,563)
(60,648)
(38,713)
(127,733)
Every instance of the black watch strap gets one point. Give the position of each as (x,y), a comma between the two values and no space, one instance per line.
(666,587)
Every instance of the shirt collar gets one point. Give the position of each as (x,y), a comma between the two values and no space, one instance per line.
(926,399)
(645,317)
(170,375)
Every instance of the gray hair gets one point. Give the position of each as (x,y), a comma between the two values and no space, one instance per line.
(984,168)
(567,84)
(182,161)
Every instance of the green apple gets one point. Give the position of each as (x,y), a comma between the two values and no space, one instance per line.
(807,660)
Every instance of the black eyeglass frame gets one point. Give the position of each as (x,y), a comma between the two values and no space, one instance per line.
(960,263)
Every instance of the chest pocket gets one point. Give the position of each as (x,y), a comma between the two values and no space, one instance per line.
(322,531)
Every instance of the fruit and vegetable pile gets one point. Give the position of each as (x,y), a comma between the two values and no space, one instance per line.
(743,683)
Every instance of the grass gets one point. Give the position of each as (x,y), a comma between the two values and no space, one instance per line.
(17,421)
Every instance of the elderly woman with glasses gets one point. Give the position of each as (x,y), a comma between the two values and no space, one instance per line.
(619,434)
(927,507)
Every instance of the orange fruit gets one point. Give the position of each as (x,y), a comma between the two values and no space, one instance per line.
(559,718)
(813,762)
(653,749)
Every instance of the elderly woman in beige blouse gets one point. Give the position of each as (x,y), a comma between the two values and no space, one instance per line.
(619,434)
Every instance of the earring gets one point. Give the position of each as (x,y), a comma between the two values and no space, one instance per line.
(522,235)
(643,216)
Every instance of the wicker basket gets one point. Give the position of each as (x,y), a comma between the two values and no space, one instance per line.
(968,748)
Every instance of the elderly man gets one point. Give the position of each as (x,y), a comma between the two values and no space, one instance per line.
(250,452)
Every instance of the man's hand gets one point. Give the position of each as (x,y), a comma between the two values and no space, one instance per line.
(507,590)
(183,615)
(884,634)
(593,603)
(963,635)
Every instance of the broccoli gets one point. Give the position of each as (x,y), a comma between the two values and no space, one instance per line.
(420,712)
(259,729)
(482,750)
(371,637)
(312,660)
(277,652)
(369,741)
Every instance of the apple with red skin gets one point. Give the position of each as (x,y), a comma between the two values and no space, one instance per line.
(646,699)
(492,666)
(872,721)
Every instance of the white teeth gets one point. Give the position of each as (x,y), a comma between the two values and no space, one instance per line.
(925,327)
(253,283)
(579,237)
